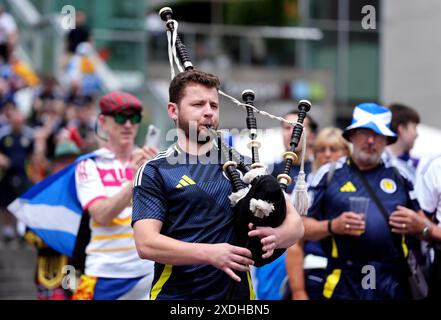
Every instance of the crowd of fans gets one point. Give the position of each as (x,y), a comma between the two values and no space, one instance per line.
(61,125)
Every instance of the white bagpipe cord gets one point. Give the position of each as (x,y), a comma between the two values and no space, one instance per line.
(172,54)
(263,113)
(300,193)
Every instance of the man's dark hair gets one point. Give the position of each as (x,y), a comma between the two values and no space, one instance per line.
(183,79)
(313,125)
(402,115)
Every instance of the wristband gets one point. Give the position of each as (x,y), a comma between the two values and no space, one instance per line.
(330,227)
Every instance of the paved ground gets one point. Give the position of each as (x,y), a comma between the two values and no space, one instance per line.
(17,270)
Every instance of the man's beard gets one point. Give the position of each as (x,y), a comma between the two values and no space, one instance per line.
(195,133)
(370,159)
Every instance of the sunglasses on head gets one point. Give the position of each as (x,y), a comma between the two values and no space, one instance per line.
(134,118)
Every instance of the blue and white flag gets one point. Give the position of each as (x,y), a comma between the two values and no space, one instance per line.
(51,209)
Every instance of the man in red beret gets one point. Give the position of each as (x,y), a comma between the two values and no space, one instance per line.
(113,269)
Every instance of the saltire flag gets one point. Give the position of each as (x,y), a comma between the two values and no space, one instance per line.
(51,209)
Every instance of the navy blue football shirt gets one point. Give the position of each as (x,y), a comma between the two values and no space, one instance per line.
(190,196)
(331,198)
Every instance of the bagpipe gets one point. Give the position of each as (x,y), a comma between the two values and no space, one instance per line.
(258,197)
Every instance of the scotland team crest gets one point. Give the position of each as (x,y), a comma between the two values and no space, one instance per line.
(388,185)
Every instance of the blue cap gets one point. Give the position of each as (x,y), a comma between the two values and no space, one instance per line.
(374,117)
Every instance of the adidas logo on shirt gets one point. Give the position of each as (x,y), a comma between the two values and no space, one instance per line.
(185,181)
(348,187)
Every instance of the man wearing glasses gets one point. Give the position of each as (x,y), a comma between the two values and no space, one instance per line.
(113,269)
(370,237)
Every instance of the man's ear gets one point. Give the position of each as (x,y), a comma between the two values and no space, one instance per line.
(172,110)
(101,119)
(400,128)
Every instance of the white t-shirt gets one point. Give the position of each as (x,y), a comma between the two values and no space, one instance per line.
(7,26)
(111,252)
(428,187)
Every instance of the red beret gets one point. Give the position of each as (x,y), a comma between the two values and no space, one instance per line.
(118,102)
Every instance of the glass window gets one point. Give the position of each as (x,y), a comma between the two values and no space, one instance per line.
(324,9)
(363,66)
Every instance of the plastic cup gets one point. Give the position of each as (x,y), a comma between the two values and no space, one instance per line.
(359,205)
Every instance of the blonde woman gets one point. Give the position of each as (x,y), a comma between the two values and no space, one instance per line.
(328,147)
(305,261)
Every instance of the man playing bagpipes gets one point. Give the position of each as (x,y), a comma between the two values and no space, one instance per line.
(202,211)
(182,216)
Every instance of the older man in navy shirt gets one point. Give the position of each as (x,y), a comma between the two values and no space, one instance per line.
(352,240)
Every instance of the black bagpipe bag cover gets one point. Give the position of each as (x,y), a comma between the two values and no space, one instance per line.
(267,188)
